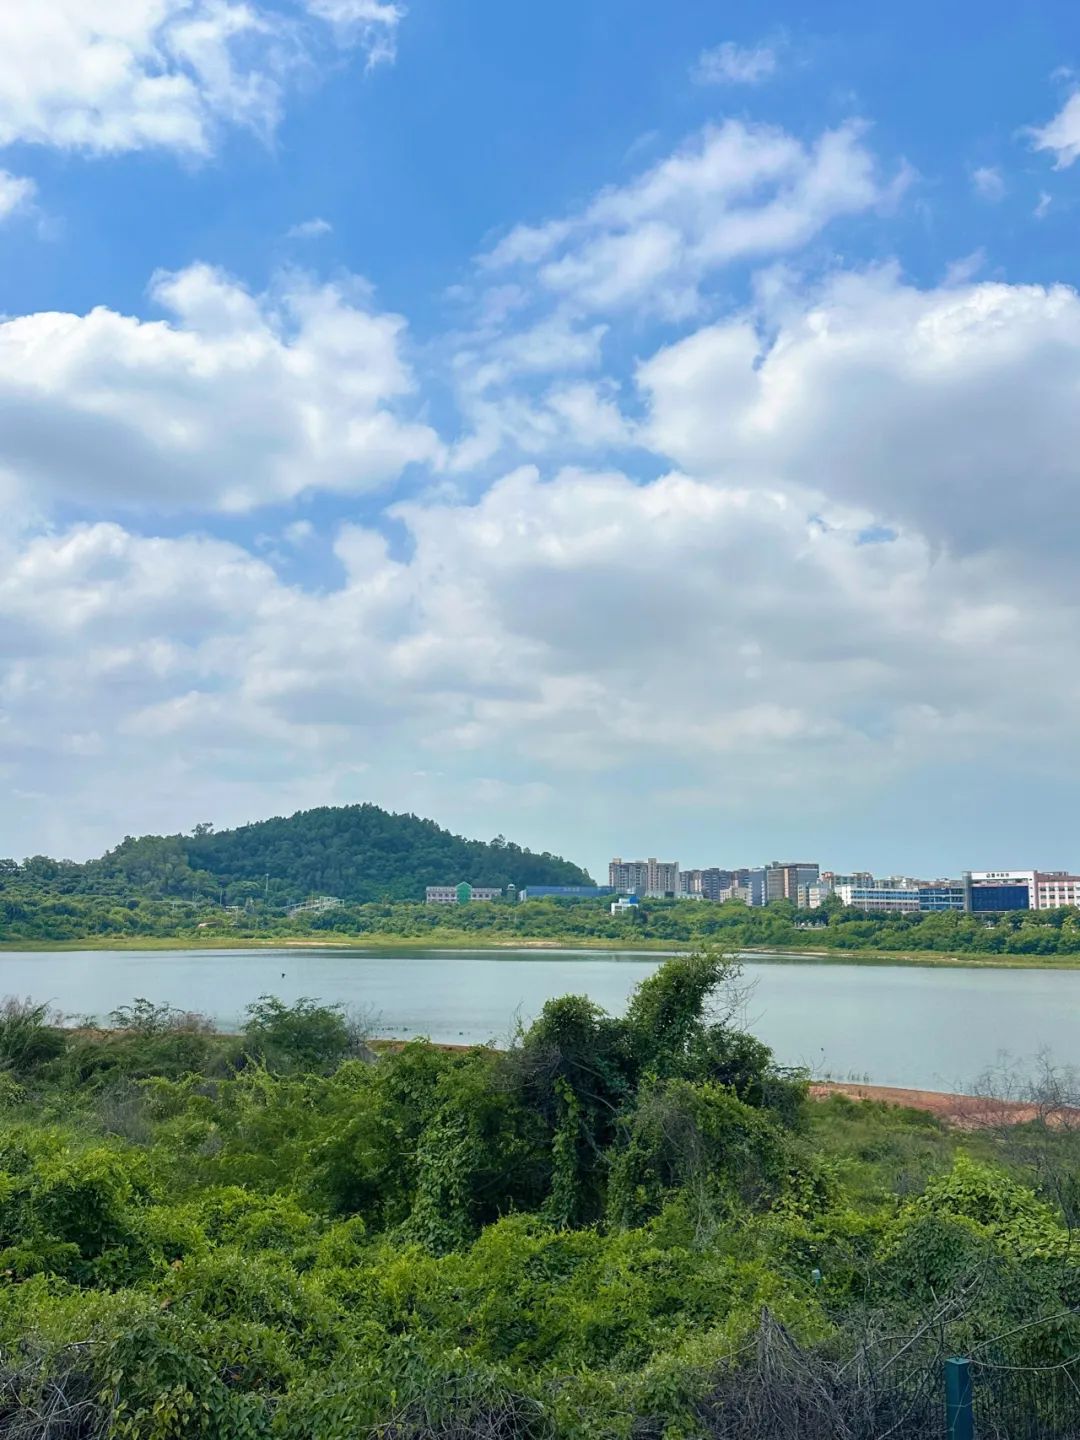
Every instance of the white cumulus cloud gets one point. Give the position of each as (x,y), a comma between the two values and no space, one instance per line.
(940,408)
(235,400)
(655,247)
(139,74)
(733,192)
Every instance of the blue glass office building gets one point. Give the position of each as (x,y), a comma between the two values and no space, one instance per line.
(941,897)
(999,897)
(565,892)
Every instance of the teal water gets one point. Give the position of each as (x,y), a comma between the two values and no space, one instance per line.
(893,1025)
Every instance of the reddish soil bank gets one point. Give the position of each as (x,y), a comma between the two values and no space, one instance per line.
(969,1112)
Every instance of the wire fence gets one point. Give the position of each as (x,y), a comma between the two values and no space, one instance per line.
(1013,1400)
(892,1387)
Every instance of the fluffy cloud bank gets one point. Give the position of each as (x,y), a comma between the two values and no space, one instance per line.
(870,521)
(551,296)
(840,513)
(237,400)
(553,628)
(952,410)
(113,75)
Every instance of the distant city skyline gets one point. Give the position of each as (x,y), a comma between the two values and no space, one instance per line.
(809,886)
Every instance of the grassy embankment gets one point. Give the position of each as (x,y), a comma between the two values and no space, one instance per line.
(458,940)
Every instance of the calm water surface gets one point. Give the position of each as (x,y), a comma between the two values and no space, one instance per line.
(895,1025)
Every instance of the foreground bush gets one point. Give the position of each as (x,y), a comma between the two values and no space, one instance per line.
(611,1230)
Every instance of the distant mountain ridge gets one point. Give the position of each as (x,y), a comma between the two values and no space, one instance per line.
(358,853)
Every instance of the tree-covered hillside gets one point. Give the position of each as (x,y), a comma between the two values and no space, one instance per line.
(356,852)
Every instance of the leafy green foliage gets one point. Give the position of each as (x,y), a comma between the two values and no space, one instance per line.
(358,853)
(295,1240)
(29,1039)
(306,1036)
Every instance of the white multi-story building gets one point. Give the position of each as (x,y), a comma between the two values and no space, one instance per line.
(903,899)
(1054,888)
(899,899)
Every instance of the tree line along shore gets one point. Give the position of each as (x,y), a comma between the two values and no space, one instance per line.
(31,918)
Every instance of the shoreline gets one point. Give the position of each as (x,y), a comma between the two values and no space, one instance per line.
(596,944)
(964,1112)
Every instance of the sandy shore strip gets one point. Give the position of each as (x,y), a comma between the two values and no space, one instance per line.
(967,1112)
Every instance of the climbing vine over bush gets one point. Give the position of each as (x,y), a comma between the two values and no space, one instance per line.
(285,1235)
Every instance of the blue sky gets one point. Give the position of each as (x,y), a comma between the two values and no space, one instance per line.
(630,430)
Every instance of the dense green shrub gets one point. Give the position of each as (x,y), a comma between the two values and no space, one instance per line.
(591,1234)
(305,1037)
(29,1037)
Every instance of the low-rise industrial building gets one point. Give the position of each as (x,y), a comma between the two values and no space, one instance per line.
(460,894)
(902,899)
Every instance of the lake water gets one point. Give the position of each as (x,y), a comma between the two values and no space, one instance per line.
(894,1025)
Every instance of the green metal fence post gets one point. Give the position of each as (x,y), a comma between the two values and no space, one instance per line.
(959,1411)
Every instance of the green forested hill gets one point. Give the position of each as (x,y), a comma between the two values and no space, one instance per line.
(356,852)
